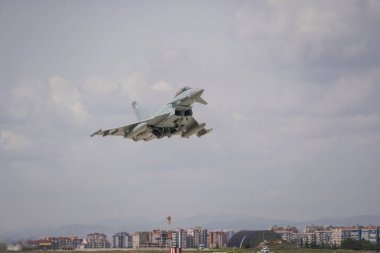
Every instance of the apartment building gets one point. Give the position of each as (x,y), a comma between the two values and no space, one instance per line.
(370,233)
(158,238)
(97,241)
(65,243)
(309,239)
(312,229)
(286,233)
(56,243)
(190,238)
(179,238)
(342,233)
(217,239)
(140,240)
(197,237)
(122,240)
(323,237)
(203,241)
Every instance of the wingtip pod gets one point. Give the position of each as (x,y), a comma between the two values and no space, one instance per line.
(203,132)
(95,133)
(193,130)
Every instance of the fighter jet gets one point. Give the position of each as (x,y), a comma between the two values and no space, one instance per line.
(175,118)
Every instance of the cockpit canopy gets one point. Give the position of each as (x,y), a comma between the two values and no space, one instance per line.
(182,90)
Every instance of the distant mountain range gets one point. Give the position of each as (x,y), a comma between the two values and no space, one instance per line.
(253,223)
(111,226)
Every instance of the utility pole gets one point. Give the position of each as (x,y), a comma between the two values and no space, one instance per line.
(169,222)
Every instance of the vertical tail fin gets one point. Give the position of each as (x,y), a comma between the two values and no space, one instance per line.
(141,114)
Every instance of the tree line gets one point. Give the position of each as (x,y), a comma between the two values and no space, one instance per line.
(346,244)
(359,245)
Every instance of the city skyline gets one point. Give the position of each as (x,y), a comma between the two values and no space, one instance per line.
(111,226)
(294,103)
(314,236)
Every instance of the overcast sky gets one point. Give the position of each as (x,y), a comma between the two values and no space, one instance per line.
(294,101)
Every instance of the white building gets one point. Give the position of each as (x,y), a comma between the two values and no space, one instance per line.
(309,239)
(370,233)
(97,241)
(340,234)
(140,239)
(190,238)
(179,238)
(323,237)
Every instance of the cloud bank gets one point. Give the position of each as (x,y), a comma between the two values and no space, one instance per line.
(293,92)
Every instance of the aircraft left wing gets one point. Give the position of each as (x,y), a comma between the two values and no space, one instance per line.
(195,128)
(132,130)
(120,131)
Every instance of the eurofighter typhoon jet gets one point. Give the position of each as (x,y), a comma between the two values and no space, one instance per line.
(175,118)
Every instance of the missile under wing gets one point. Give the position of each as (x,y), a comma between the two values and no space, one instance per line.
(175,118)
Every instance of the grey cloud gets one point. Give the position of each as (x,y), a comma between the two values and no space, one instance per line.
(293,99)
(320,34)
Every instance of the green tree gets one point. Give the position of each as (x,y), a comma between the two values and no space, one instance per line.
(367,245)
(348,244)
(357,244)
(246,245)
(3,246)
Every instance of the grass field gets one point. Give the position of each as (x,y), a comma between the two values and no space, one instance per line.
(226,250)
